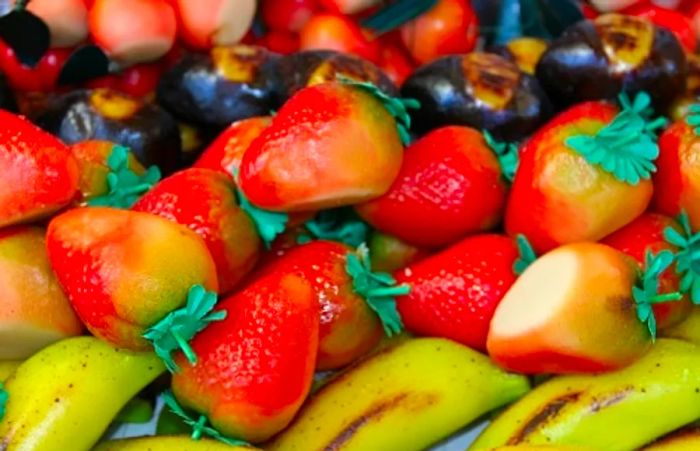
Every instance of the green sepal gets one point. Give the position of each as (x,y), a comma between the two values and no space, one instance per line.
(693,117)
(4,396)
(507,154)
(379,289)
(340,225)
(269,224)
(396,14)
(125,186)
(176,330)
(526,257)
(646,291)
(626,147)
(199,426)
(687,257)
(396,106)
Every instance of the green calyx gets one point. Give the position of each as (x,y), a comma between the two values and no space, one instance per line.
(687,257)
(527,255)
(397,107)
(626,147)
(507,154)
(340,225)
(174,332)
(693,117)
(377,288)
(395,14)
(4,396)
(199,426)
(269,224)
(125,186)
(646,292)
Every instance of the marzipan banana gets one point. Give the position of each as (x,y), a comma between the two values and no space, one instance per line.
(543,448)
(686,439)
(618,411)
(688,330)
(168,443)
(405,398)
(64,397)
(7,367)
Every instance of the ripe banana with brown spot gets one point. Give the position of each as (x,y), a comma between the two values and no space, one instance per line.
(617,411)
(65,396)
(686,439)
(405,397)
(168,443)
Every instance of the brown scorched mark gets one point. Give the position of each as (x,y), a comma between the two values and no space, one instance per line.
(405,400)
(545,414)
(600,403)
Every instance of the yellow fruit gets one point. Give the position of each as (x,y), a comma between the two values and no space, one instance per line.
(64,397)
(7,367)
(168,443)
(686,439)
(406,397)
(617,411)
(688,330)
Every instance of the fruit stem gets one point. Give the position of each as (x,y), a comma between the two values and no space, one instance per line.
(3,400)
(185,347)
(198,427)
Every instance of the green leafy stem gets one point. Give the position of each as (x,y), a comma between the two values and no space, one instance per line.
(179,327)
(526,257)
(687,257)
(4,396)
(340,224)
(377,288)
(507,154)
(646,292)
(199,426)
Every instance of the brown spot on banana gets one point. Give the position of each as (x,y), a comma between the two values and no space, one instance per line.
(600,403)
(407,401)
(544,415)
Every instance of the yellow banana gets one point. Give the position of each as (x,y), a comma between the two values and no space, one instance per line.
(7,367)
(405,398)
(64,397)
(616,411)
(543,448)
(168,443)
(688,330)
(686,439)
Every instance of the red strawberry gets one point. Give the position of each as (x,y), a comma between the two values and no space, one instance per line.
(450,185)
(205,201)
(39,175)
(254,368)
(454,293)
(224,154)
(331,144)
(647,234)
(124,271)
(395,63)
(583,175)
(342,282)
(677,181)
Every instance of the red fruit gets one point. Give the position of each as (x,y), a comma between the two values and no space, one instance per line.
(646,234)
(330,145)
(677,180)
(39,175)
(209,23)
(558,197)
(225,153)
(339,33)
(390,254)
(348,6)
(123,271)
(205,201)
(140,80)
(395,63)
(451,26)
(571,311)
(672,20)
(692,11)
(454,293)
(281,42)
(254,368)
(133,31)
(349,327)
(41,78)
(287,15)
(450,185)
